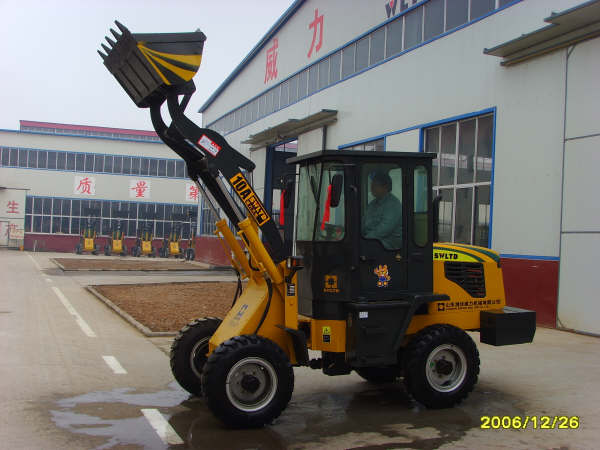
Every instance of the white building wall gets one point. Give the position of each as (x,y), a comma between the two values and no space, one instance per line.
(403,142)
(451,77)
(53,183)
(345,20)
(84,144)
(56,183)
(578,307)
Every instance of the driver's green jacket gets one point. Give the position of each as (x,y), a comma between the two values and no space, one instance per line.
(383,221)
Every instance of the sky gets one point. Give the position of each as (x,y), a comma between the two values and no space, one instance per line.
(50,70)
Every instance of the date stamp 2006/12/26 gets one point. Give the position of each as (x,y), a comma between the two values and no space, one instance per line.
(534,422)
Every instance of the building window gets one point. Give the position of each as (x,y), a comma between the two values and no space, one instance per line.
(209,219)
(434,19)
(376,145)
(462,177)
(334,67)
(69,216)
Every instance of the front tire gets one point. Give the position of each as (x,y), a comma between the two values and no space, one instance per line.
(188,353)
(248,381)
(441,366)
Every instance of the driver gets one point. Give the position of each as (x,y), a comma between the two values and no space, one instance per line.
(383,217)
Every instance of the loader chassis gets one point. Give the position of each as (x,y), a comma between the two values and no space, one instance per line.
(367,287)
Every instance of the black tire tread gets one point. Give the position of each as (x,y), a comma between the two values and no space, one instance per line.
(418,350)
(183,343)
(213,381)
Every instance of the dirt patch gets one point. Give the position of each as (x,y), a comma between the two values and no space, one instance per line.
(170,306)
(127,264)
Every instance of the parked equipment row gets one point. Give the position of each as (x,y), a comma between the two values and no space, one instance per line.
(171,246)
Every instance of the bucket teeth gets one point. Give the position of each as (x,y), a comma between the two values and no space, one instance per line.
(102,54)
(122,28)
(110,41)
(115,34)
(106,49)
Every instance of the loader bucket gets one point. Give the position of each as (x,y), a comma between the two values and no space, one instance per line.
(146,65)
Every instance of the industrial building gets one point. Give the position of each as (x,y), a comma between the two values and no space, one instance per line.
(503,91)
(53,175)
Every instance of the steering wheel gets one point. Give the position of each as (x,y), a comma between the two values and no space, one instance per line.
(331,232)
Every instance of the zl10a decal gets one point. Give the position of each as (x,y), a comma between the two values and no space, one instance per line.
(250,199)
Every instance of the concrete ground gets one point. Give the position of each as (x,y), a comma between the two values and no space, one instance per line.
(75,375)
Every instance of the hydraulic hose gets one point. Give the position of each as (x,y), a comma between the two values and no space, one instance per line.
(238,290)
(266,311)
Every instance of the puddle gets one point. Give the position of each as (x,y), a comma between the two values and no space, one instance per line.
(358,415)
(369,418)
(116,415)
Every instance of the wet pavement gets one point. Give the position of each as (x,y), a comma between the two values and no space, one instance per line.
(56,391)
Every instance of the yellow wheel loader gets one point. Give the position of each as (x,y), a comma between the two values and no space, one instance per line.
(172,241)
(367,288)
(143,245)
(116,242)
(87,239)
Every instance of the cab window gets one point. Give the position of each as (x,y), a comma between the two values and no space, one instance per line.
(381,209)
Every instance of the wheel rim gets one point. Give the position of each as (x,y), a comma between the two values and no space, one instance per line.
(198,356)
(446,368)
(251,384)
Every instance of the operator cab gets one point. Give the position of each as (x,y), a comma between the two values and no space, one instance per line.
(364,229)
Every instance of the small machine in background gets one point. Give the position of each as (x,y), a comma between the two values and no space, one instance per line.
(190,252)
(87,239)
(172,241)
(143,244)
(116,242)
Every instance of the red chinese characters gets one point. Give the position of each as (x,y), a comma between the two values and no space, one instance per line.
(140,188)
(193,192)
(271,69)
(12,207)
(316,23)
(85,186)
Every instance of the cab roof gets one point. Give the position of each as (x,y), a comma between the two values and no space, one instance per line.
(333,154)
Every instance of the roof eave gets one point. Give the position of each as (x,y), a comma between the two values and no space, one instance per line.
(257,48)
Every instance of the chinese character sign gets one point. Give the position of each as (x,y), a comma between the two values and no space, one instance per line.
(139,188)
(316,23)
(84,185)
(271,69)
(191,192)
(12,207)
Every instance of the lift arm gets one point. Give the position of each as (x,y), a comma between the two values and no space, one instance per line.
(158,68)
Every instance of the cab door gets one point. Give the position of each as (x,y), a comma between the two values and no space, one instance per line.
(382,249)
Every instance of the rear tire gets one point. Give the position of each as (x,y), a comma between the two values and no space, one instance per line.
(106,250)
(188,353)
(441,366)
(379,375)
(248,381)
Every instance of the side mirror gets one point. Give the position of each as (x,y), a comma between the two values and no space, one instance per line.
(337,184)
(436,218)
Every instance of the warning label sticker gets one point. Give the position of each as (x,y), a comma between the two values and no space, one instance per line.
(326,334)
(209,145)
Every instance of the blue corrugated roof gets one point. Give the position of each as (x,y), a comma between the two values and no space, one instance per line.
(257,48)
